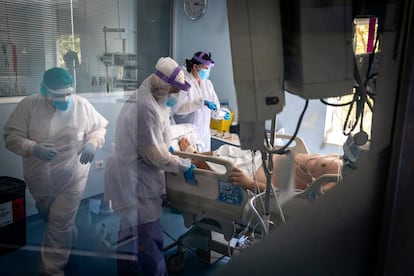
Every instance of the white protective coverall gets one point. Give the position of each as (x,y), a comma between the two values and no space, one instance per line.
(191,109)
(134,179)
(56,186)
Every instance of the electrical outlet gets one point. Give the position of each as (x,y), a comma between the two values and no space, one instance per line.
(99,165)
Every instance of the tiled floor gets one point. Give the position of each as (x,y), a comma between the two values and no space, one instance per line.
(92,253)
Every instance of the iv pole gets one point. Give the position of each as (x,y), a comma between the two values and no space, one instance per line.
(268,170)
(109,30)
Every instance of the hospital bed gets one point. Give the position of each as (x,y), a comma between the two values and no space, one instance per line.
(213,205)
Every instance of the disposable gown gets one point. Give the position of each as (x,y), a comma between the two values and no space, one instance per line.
(134,176)
(190,108)
(56,186)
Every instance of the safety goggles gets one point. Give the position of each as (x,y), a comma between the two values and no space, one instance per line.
(173,90)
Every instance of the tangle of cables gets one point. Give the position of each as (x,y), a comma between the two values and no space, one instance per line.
(364,92)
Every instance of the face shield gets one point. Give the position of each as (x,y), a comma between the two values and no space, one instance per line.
(61,98)
(56,80)
(199,58)
(203,69)
(159,88)
(172,79)
(62,94)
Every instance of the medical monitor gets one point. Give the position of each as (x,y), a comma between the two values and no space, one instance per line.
(317,47)
(304,47)
(257,57)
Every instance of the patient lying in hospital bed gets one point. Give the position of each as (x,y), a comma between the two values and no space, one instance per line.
(229,165)
(308,167)
(228,180)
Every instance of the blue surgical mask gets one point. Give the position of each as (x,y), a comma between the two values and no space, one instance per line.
(62,105)
(171,101)
(204,73)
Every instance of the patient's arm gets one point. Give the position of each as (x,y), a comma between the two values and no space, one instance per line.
(186,146)
(201,164)
(238,177)
(308,167)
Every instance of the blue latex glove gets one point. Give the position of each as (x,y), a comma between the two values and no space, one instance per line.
(44,151)
(189,175)
(210,105)
(87,153)
(171,149)
(227,116)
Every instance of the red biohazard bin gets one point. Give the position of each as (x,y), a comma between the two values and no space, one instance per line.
(12,214)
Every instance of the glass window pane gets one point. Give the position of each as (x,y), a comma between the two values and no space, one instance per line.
(36,35)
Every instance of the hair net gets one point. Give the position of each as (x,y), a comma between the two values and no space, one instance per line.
(57,78)
(168,74)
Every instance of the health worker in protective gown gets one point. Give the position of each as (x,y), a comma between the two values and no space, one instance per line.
(57,133)
(134,175)
(201,103)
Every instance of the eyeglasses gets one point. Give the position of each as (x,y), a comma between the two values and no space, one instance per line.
(173,90)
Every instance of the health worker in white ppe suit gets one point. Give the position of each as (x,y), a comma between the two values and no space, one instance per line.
(201,103)
(57,133)
(134,175)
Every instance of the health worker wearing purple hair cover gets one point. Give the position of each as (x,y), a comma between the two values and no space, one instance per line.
(200,103)
(134,176)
